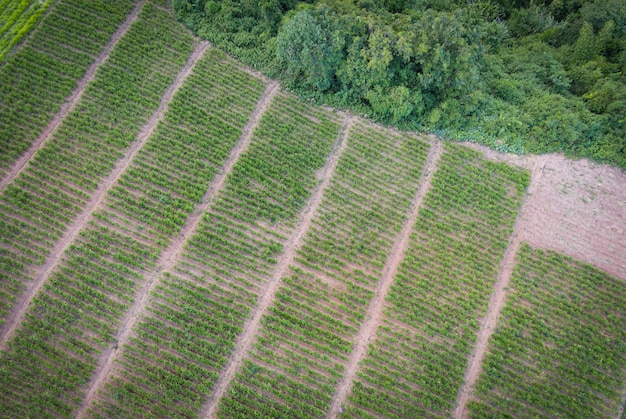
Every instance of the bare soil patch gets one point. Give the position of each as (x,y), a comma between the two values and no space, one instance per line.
(578,209)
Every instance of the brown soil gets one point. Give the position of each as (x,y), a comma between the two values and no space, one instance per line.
(167,258)
(375,310)
(251,327)
(578,209)
(71,101)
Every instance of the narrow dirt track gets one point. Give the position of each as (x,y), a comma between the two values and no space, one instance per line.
(169,257)
(71,101)
(620,411)
(251,327)
(375,310)
(496,302)
(16,317)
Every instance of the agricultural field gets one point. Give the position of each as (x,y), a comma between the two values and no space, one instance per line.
(17,18)
(41,203)
(307,333)
(41,74)
(560,343)
(199,307)
(415,367)
(180,237)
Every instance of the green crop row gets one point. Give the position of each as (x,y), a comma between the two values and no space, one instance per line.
(41,203)
(559,349)
(311,327)
(80,309)
(415,366)
(54,351)
(18,17)
(195,315)
(41,74)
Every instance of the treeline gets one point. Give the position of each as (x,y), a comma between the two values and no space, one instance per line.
(518,75)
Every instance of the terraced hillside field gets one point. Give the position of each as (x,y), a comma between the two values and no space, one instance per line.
(182,238)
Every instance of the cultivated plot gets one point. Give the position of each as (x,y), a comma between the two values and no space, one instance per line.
(76,313)
(178,349)
(182,239)
(308,332)
(37,78)
(67,174)
(431,318)
(559,347)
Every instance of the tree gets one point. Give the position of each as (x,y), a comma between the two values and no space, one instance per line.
(585,46)
(308,50)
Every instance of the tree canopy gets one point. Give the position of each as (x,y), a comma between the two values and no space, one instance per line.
(518,75)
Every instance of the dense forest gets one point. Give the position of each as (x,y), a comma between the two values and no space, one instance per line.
(518,75)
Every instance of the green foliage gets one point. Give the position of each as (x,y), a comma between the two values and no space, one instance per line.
(535,19)
(586,46)
(444,67)
(35,84)
(309,50)
(416,364)
(558,349)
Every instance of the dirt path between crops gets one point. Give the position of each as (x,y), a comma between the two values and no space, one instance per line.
(71,101)
(375,311)
(94,202)
(170,255)
(295,241)
(620,410)
(496,303)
